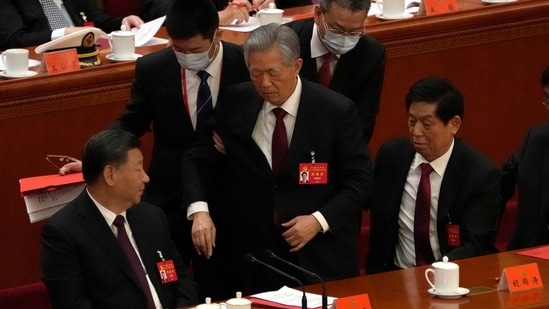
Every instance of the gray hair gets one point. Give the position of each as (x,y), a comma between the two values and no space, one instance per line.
(265,37)
(351,5)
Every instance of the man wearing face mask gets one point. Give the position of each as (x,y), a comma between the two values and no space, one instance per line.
(338,54)
(169,94)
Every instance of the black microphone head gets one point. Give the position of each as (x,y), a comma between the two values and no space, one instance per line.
(269,253)
(249,257)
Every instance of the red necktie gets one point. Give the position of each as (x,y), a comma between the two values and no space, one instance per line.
(324,76)
(422,218)
(135,263)
(279,142)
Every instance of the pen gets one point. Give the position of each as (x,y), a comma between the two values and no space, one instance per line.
(242,5)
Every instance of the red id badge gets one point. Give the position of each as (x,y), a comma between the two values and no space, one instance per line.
(89,24)
(313,174)
(167,272)
(453,234)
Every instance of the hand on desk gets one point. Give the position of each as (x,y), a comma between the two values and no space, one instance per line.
(262,4)
(203,234)
(300,230)
(236,10)
(132,21)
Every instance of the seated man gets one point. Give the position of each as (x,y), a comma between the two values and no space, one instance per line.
(273,128)
(102,249)
(527,170)
(434,194)
(354,69)
(34,22)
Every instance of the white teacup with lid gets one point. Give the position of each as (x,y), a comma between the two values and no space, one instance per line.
(270,15)
(238,302)
(446,277)
(209,305)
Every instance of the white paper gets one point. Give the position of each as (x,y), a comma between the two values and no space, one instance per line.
(292,297)
(147,31)
(43,204)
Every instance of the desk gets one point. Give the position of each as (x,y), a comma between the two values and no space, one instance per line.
(408,288)
(493,53)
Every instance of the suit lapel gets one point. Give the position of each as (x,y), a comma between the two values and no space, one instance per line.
(95,223)
(452,179)
(544,187)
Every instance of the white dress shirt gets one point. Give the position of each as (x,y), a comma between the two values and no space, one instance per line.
(405,256)
(318,50)
(57,33)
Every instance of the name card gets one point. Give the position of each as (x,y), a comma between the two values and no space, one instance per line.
(61,61)
(361,301)
(434,7)
(520,278)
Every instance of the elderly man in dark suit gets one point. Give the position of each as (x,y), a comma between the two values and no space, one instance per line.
(102,249)
(434,194)
(356,61)
(527,169)
(274,128)
(25,22)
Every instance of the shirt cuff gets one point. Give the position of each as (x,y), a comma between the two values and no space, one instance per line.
(196,207)
(57,33)
(323,223)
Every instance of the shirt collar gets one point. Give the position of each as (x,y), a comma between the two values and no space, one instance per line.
(108,215)
(317,47)
(214,68)
(439,164)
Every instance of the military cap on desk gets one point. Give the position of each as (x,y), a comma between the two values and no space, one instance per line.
(84,43)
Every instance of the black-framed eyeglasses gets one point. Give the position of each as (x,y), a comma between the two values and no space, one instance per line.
(339,31)
(59,160)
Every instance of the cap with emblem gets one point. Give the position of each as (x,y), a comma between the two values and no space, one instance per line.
(82,40)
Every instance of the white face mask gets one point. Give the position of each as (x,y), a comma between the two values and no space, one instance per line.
(337,43)
(194,61)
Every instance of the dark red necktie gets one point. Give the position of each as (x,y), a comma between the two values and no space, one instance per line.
(135,263)
(324,76)
(422,218)
(280,141)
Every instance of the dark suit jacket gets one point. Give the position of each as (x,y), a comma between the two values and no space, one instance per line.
(528,169)
(469,195)
(157,99)
(83,265)
(358,75)
(24,23)
(326,124)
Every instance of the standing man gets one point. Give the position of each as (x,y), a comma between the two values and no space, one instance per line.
(34,22)
(274,128)
(527,170)
(434,195)
(338,54)
(102,250)
(175,90)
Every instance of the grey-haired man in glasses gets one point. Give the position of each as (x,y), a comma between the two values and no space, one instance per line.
(355,63)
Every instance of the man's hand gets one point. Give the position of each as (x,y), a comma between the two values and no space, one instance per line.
(235,10)
(73,167)
(132,21)
(218,143)
(300,230)
(262,4)
(203,234)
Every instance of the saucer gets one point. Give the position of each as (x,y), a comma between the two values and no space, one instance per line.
(32,63)
(28,74)
(460,292)
(112,58)
(497,1)
(403,16)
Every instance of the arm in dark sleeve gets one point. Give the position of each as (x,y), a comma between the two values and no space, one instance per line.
(17,31)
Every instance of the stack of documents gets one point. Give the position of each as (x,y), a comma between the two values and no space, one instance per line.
(289,298)
(45,195)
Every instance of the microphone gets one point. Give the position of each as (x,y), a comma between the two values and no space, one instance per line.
(270,254)
(250,258)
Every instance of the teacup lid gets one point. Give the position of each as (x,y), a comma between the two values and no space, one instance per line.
(208,305)
(272,9)
(445,264)
(238,300)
